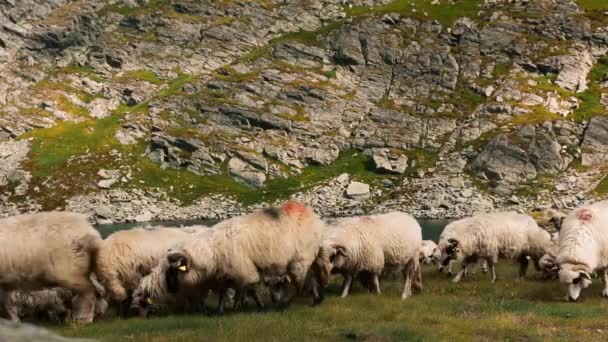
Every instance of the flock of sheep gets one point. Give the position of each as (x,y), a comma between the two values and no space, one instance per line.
(56,264)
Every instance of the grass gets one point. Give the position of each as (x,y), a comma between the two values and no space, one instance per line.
(473,310)
(590,104)
(602,187)
(444,12)
(141,75)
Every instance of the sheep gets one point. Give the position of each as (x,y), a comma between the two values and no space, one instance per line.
(429,253)
(48,249)
(490,236)
(583,248)
(127,256)
(52,303)
(241,250)
(366,245)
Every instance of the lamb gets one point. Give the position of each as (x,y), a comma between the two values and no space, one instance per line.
(490,236)
(429,253)
(53,303)
(127,256)
(49,249)
(583,248)
(241,250)
(366,245)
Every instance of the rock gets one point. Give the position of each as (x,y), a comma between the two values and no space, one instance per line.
(23,332)
(574,70)
(457,182)
(103,211)
(246,173)
(358,190)
(145,216)
(106,183)
(343,178)
(381,162)
(100,108)
(595,142)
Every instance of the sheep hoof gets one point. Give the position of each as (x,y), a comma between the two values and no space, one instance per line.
(605,293)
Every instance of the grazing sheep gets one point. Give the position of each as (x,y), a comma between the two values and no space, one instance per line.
(54,304)
(429,253)
(366,245)
(492,236)
(127,256)
(583,248)
(53,249)
(241,250)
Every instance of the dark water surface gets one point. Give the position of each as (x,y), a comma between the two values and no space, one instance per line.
(430,228)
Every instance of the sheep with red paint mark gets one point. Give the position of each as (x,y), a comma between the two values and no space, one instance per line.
(241,250)
(364,246)
(583,248)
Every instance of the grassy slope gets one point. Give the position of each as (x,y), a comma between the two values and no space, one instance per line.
(531,310)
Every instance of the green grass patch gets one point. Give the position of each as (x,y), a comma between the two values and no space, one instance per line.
(175,85)
(141,75)
(591,5)
(473,310)
(444,12)
(538,114)
(602,187)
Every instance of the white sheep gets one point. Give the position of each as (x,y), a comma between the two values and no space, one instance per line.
(127,256)
(366,245)
(492,236)
(241,250)
(429,252)
(41,250)
(583,248)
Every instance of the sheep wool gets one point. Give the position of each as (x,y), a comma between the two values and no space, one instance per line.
(52,248)
(126,256)
(366,245)
(242,249)
(508,235)
(583,248)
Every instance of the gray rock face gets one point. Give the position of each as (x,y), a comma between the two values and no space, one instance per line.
(246,173)
(595,142)
(520,157)
(386,163)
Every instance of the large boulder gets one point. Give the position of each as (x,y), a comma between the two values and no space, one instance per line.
(595,142)
(246,173)
(574,70)
(520,157)
(358,190)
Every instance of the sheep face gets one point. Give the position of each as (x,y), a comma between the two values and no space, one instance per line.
(277,285)
(576,280)
(549,266)
(451,251)
(183,271)
(429,253)
(141,302)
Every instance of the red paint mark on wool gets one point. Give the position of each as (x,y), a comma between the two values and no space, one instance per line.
(366,219)
(584,215)
(294,208)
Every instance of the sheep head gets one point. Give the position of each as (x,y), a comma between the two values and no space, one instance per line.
(576,280)
(179,264)
(549,266)
(450,251)
(141,301)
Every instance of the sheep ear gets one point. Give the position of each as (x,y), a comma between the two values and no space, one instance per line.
(585,275)
(340,250)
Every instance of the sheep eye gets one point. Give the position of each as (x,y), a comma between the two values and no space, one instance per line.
(576,281)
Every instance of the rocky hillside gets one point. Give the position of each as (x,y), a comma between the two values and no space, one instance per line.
(161,109)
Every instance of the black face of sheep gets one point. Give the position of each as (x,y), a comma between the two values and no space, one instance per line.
(179,263)
(451,252)
(580,282)
(338,256)
(141,303)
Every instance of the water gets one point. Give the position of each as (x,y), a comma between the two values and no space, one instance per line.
(430,228)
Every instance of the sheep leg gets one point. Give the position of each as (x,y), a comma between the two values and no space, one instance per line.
(348,280)
(407,283)
(10,311)
(222,300)
(418,282)
(523,266)
(462,272)
(492,268)
(485,266)
(376,283)
(253,293)
(605,282)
